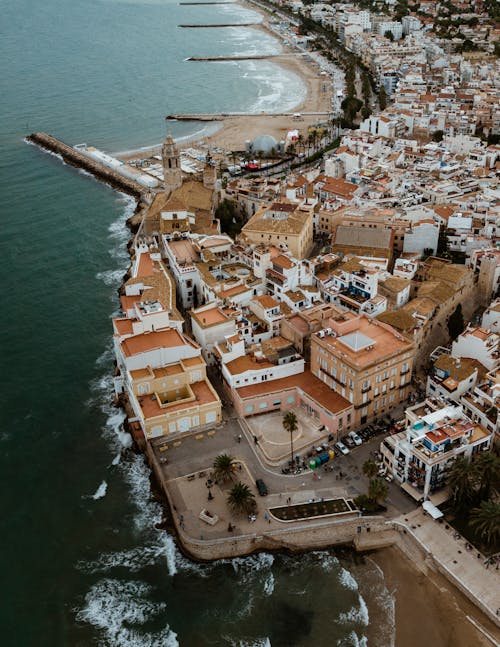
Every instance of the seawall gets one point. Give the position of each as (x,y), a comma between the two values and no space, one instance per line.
(75,158)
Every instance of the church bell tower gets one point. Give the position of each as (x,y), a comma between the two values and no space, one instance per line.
(172,174)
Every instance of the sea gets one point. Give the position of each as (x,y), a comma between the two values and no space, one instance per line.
(81,562)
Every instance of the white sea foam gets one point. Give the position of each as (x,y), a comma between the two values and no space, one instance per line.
(269,584)
(326,560)
(347,580)
(259,642)
(119,609)
(111,277)
(278,90)
(252,564)
(44,150)
(100,493)
(353,640)
(359,614)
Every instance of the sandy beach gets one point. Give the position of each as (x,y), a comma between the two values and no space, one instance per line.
(233,131)
(236,130)
(429,609)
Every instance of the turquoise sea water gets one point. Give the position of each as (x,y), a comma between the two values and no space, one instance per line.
(80,560)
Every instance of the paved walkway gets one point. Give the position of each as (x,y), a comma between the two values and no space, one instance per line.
(274,440)
(463,565)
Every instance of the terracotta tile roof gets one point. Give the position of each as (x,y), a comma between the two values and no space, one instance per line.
(283,261)
(266,301)
(247,363)
(311,385)
(169,338)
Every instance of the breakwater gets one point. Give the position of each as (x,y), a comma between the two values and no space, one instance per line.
(209,59)
(227,24)
(219,116)
(75,158)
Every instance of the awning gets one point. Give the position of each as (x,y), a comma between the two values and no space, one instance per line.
(412,491)
(432,510)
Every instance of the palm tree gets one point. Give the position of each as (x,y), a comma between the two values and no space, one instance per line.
(377,490)
(462,482)
(300,141)
(487,466)
(370,468)
(241,499)
(486,520)
(224,467)
(290,424)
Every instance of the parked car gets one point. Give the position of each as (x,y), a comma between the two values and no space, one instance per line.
(341,448)
(261,487)
(355,438)
(348,441)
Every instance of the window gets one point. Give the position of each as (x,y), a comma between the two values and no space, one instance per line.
(290,399)
(249,408)
(276,403)
(263,405)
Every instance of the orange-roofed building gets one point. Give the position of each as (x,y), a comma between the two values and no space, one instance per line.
(330,411)
(366,361)
(211,324)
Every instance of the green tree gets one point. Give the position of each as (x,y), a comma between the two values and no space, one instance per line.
(487,465)
(389,35)
(377,490)
(291,425)
(382,98)
(486,521)
(241,499)
(370,468)
(350,107)
(437,136)
(462,481)
(456,323)
(224,467)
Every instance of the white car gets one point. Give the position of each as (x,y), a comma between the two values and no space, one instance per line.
(355,438)
(342,448)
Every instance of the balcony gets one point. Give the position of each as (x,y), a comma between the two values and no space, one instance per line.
(404,371)
(365,389)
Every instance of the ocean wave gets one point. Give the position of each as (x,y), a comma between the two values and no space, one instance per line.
(100,493)
(269,583)
(119,609)
(111,277)
(258,642)
(358,615)
(45,150)
(347,580)
(278,90)
(352,640)
(252,564)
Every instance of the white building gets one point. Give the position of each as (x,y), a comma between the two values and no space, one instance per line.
(450,378)
(491,317)
(210,324)
(481,344)
(423,235)
(396,29)
(436,434)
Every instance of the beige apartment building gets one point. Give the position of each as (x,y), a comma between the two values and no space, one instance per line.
(283,224)
(364,360)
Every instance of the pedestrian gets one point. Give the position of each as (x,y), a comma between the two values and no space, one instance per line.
(239,438)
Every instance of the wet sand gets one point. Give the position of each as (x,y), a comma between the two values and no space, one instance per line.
(429,610)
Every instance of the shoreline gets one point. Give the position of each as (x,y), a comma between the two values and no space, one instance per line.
(231,132)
